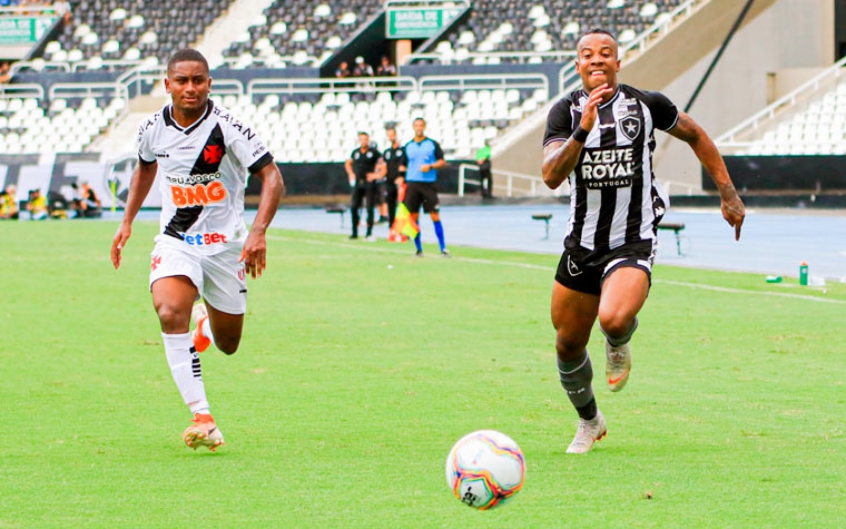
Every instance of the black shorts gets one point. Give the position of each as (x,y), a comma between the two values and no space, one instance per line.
(417,193)
(585,271)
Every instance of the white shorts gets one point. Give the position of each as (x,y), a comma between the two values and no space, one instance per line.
(219,278)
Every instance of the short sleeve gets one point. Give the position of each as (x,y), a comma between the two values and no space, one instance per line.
(665,115)
(245,145)
(142,142)
(439,153)
(559,123)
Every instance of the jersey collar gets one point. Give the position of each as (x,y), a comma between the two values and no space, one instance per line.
(170,122)
(610,101)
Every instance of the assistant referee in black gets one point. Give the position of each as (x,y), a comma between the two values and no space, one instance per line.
(361,172)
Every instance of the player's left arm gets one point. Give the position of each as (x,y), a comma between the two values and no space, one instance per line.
(687,130)
(254,254)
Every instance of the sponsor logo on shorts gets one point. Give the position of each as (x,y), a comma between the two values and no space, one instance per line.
(242,275)
(204,239)
(155,262)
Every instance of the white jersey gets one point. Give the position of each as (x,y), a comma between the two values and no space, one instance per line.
(202,175)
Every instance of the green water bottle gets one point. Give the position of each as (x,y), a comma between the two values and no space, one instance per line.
(803,273)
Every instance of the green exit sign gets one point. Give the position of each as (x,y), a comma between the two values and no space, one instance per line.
(23,30)
(418,23)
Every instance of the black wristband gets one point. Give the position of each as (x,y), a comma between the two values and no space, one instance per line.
(580,134)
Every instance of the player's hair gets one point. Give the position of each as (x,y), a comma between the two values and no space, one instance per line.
(390,127)
(362,133)
(186,55)
(595,31)
(419,119)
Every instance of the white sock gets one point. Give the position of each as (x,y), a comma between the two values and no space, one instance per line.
(184,365)
(205,330)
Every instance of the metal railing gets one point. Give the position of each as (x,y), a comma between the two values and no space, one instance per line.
(483,81)
(320,85)
(424,3)
(531,188)
(140,75)
(39,66)
(108,65)
(66,90)
(522,56)
(284,61)
(29,90)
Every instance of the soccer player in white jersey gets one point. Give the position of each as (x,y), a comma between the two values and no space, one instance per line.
(201,154)
(601,137)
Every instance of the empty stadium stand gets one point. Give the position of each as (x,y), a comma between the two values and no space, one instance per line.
(65,125)
(324,128)
(810,120)
(299,32)
(509,28)
(131,31)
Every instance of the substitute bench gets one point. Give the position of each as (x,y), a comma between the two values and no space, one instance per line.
(545,218)
(339,210)
(676,227)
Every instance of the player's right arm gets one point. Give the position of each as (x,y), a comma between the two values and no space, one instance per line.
(139,187)
(562,148)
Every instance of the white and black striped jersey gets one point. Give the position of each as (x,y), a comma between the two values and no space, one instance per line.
(202,175)
(614,196)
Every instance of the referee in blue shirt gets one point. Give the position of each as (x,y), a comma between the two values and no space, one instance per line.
(423,159)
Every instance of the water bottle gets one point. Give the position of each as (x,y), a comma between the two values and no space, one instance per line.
(803,273)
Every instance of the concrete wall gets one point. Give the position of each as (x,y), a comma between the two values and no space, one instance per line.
(792,39)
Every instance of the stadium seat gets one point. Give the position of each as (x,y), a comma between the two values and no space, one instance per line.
(541,26)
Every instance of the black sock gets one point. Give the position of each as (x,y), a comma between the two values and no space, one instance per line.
(576,377)
(588,411)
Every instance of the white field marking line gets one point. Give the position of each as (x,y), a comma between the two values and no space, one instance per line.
(739,291)
(405,253)
(358,246)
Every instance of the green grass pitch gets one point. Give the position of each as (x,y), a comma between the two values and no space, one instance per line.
(361,366)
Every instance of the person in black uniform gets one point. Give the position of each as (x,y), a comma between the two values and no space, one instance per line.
(392,171)
(361,172)
(602,137)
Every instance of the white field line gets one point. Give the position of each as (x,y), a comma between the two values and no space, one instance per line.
(364,246)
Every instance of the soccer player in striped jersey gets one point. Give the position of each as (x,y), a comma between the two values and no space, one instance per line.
(200,154)
(601,137)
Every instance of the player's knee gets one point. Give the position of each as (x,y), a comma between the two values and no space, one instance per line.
(172,319)
(615,323)
(568,346)
(227,346)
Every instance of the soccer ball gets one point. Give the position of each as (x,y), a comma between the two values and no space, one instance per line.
(485,469)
